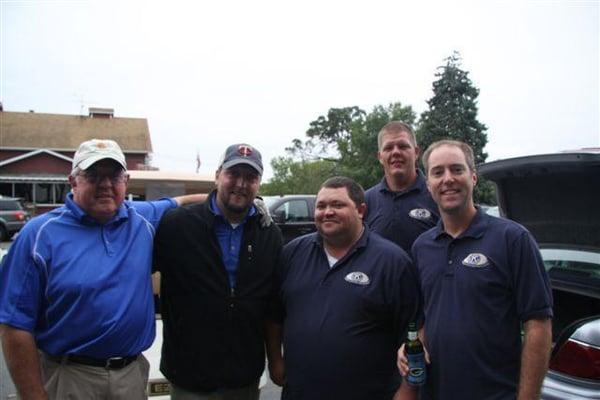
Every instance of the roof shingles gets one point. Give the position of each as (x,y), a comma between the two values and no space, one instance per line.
(22,130)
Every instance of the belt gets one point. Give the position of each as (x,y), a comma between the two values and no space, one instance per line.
(108,363)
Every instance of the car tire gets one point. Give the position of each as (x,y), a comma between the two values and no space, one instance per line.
(3,234)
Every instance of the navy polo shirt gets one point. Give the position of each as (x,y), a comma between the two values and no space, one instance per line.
(84,287)
(342,325)
(401,216)
(478,288)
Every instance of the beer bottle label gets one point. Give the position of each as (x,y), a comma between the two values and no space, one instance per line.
(416,369)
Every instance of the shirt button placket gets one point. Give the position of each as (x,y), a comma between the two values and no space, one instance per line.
(450,268)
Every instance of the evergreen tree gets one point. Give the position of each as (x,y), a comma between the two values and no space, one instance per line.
(452,115)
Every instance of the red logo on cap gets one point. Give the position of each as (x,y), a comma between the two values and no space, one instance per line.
(245,151)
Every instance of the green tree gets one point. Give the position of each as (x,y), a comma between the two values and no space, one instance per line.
(359,159)
(452,114)
(297,177)
(347,138)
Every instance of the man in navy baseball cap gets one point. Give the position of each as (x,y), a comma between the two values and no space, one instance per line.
(217,264)
(242,154)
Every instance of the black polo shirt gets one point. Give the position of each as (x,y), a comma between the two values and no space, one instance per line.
(401,216)
(343,325)
(477,290)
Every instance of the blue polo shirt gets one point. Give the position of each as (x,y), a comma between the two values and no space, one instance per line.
(401,216)
(478,288)
(342,325)
(230,240)
(81,287)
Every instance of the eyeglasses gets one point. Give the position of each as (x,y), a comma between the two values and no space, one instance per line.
(94,178)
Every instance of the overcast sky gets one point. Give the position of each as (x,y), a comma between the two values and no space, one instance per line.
(208,74)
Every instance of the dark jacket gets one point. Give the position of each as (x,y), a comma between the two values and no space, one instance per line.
(213,338)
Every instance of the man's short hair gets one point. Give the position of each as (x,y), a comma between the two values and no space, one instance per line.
(396,127)
(465,148)
(355,191)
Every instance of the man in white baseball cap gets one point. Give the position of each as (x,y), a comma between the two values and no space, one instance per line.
(95,150)
(76,303)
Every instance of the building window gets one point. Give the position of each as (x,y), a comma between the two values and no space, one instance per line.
(6,189)
(43,193)
(24,191)
(38,193)
(60,192)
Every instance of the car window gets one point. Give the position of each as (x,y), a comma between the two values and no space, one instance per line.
(572,264)
(294,211)
(10,205)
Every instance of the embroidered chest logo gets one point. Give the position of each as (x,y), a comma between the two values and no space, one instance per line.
(358,278)
(422,214)
(476,260)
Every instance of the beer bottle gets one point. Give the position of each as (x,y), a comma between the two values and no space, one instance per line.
(416,357)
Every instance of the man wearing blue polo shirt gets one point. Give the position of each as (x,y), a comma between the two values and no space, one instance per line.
(347,297)
(76,305)
(482,280)
(399,207)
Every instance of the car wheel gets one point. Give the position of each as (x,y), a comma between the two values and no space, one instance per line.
(3,234)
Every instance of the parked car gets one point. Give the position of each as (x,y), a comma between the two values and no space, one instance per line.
(13,217)
(557,198)
(294,214)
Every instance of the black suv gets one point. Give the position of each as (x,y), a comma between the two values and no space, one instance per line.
(294,214)
(13,217)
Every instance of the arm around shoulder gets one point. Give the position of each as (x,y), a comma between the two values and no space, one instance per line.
(190,198)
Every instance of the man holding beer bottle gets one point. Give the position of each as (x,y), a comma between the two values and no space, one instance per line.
(482,280)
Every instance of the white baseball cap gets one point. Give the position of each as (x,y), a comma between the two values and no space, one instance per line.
(94,150)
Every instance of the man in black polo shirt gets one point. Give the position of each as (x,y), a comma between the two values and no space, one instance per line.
(483,280)
(347,296)
(399,207)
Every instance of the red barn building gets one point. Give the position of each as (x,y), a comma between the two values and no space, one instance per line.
(36,150)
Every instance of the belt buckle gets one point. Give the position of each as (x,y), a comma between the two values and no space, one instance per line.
(114,362)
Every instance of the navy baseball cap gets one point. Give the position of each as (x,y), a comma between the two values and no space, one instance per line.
(242,153)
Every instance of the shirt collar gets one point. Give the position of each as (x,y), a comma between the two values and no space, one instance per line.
(81,215)
(418,185)
(475,230)
(360,243)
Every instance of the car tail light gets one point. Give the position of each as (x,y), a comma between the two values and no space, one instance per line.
(577,359)
(20,215)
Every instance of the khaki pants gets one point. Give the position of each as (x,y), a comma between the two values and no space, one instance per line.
(66,381)
(251,392)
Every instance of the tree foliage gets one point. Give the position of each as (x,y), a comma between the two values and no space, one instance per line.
(344,141)
(347,137)
(452,114)
(297,177)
